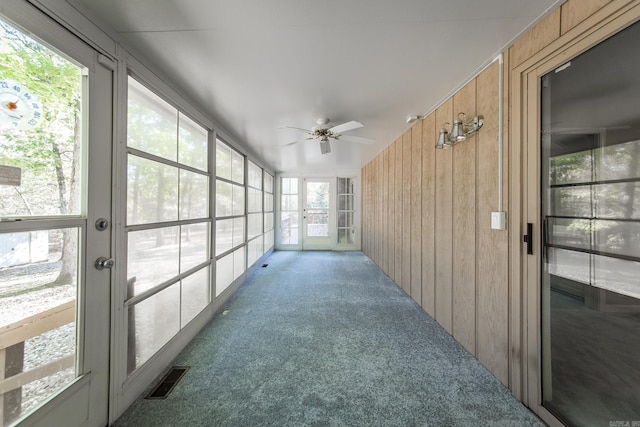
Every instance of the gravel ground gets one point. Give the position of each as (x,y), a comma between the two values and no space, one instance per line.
(17,302)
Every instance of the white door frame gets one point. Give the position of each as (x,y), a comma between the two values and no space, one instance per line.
(319,243)
(85,400)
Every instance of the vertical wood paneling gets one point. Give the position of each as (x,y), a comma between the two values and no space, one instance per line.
(464,222)
(575,11)
(398,208)
(406,212)
(385,211)
(416,213)
(444,224)
(391,207)
(377,196)
(492,268)
(428,213)
(537,38)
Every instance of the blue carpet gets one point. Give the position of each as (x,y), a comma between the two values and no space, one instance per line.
(325,338)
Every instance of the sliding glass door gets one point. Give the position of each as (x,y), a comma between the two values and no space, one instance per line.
(590,216)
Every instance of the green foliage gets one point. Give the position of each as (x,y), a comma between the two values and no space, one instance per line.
(44,153)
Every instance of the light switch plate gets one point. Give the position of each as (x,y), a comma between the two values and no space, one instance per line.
(499,220)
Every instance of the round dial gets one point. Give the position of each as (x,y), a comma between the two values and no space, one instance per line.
(19,108)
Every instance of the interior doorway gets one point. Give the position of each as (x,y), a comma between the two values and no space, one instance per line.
(318,222)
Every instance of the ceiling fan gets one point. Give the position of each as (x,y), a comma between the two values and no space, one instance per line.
(323,133)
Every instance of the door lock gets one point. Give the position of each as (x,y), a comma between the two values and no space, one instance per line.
(102,263)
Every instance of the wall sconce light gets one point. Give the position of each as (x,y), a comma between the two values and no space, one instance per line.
(460,130)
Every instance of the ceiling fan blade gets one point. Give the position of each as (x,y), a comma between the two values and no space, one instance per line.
(295,142)
(325,147)
(292,127)
(345,127)
(356,139)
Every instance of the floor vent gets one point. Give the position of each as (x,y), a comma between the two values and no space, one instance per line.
(167,384)
(265,265)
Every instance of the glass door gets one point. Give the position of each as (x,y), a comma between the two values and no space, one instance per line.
(590,216)
(317,214)
(55,228)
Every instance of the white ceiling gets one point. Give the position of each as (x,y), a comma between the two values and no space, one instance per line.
(256,65)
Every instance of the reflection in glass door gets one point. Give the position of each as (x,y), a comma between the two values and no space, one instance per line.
(590,211)
(317,216)
(54,329)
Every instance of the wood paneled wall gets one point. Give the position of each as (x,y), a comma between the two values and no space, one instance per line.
(436,207)
(427,212)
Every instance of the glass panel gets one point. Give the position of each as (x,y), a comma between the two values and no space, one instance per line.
(317,195)
(238,262)
(255,176)
(255,225)
(237,167)
(192,145)
(223,160)
(268,221)
(254,250)
(224,235)
(153,258)
(289,228)
(571,201)
(617,200)
(224,199)
(617,275)
(194,195)
(617,237)
(618,161)
(195,295)
(268,240)
(289,185)
(268,183)
(571,168)
(38,291)
(194,245)
(152,191)
(238,231)
(238,200)
(254,200)
(152,124)
(317,223)
(345,236)
(224,273)
(40,129)
(268,202)
(569,264)
(345,203)
(152,323)
(575,233)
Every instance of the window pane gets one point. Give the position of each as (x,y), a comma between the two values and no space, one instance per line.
(237,167)
(345,236)
(238,200)
(289,203)
(238,231)
(619,161)
(254,200)
(289,228)
(571,201)
(571,265)
(617,275)
(223,160)
(224,235)
(617,200)
(152,323)
(38,292)
(268,240)
(224,273)
(239,262)
(152,191)
(268,202)
(254,250)
(192,146)
(224,199)
(195,295)
(575,233)
(194,195)
(268,221)
(194,245)
(571,168)
(152,124)
(289,185)
(255,225)
(153,258)
(255,175)
(268,183)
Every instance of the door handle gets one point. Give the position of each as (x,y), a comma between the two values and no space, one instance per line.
(528,238)
(102,263)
